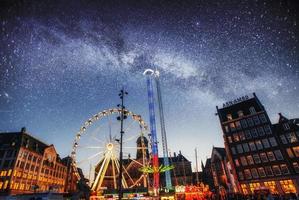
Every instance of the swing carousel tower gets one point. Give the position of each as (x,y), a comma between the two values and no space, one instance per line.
(154,75)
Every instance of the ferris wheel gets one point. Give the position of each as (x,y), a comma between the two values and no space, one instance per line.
(96,150)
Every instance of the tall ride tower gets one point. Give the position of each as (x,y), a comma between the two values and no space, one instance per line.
(155,74)
(154,142)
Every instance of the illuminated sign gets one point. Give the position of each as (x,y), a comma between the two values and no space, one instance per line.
(180,189)
(235,101)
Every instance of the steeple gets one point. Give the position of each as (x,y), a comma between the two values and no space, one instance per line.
(142,147)
(202,166)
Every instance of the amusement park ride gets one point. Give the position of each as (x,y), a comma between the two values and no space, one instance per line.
(106,158)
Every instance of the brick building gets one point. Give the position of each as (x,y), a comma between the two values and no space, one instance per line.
(28,165)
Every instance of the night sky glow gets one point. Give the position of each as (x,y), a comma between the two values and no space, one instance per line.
(63,61)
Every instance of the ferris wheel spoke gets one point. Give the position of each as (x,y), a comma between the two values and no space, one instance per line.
(129,126)
(90,147)
(97,139)
(131,138)
(90,157)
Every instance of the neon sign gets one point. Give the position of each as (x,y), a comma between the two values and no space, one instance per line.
(235,101)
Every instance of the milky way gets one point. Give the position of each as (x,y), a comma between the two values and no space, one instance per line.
(62,61)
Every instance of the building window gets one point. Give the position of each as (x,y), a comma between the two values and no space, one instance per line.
(250,122)
(236,137)
(272,141)
(288,186)
(5,185)
(276,170)
(283,139)
(240,113)
(263,118)
(242,136)
(233,150)
(229,117)
(262,172)
(296,151)
(25,154)
(265,143)
(267,130)
(290,153)
(252,146)
(229,138)
(286,126)
(254,173)
(254,186)
(30,157)
(244,123)
(243,161)
(254,133)
(252,110)
(232,126)
(250,160)
(259,144)
(256,158)
(296,167)
(241,176)
(278,155)
(237,162)
(226,129)
(248,134)
(284,169)
(238,125)
(269,171)
(256,120)
(247,174)
(264,157)
(291,137)
(261,131)
(272,186)
(239,148)
(271,156)
(245,147)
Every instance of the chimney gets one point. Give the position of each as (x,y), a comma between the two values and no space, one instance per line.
(23,130)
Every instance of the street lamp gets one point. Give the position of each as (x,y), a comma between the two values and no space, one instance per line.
(123,115)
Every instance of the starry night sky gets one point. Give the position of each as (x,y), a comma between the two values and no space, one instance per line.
(63,61)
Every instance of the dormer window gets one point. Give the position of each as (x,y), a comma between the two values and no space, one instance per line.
(252,110)
(27,143)
(240,113)
(229,117)
(286,126)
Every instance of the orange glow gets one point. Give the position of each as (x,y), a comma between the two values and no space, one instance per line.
(271,186)
(288,186)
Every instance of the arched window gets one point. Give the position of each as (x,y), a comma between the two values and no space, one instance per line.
(252,110)
(240,113)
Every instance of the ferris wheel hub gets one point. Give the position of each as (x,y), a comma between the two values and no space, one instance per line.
(109,146)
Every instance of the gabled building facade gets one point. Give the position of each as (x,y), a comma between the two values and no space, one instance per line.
(28,165)
(221,171)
